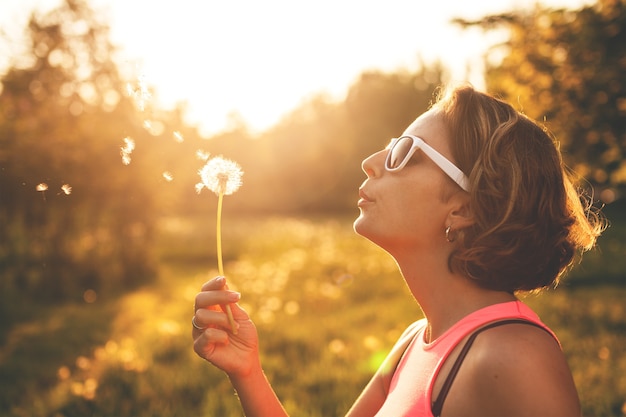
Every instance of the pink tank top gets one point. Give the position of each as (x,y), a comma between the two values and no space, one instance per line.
(411,388)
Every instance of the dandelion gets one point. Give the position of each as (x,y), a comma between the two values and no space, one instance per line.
(42,187)
(167,176)
(67,190)
(178,137)
(223,177)
(220,175)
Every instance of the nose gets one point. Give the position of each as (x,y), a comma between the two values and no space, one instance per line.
(374,164)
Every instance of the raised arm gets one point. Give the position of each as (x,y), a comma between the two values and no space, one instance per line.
(237,355)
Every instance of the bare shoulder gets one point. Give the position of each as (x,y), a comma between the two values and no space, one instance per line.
(516,370)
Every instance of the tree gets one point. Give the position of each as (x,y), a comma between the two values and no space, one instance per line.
(566,68)
(63,117)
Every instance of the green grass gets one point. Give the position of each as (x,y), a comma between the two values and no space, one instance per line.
(327,304)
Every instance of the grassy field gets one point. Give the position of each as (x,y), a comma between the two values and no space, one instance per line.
(328,306)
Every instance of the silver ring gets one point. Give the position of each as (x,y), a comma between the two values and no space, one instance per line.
(193,323)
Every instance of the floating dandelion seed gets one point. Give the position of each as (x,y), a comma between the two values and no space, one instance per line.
(202,155)
(42,187)
(129,145)
(223,177)
(168,176)
(127,149)
(139,92)
(66,189)
(178,137)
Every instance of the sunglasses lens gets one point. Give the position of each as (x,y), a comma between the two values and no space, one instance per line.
(399,152)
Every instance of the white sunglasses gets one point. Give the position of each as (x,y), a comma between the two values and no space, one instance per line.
(402,149)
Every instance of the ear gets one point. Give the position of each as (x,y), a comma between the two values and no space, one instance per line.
(460,215)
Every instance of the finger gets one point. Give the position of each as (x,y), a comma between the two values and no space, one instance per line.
(205,318)
(216,283)
(204,344)
(211,298)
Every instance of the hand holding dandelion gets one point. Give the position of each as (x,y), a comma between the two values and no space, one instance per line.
(223,177)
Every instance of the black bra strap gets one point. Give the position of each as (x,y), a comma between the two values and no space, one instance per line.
(437,405)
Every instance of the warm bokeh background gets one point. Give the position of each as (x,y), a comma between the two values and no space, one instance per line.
(103,246)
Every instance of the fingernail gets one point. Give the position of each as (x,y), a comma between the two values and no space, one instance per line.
(220,280)
(234,296)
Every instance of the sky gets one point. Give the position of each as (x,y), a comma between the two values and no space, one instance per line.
(256,60)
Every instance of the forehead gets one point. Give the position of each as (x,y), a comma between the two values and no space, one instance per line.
(431,128)
(430,121)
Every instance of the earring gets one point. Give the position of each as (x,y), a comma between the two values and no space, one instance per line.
(448,234)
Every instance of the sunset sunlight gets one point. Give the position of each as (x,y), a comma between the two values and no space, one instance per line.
(253,62)
(202,207)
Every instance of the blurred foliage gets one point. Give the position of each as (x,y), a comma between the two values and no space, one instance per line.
(314,154)
(63,115)
(566,67)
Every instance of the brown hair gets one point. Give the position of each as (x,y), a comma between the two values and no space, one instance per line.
(530,222)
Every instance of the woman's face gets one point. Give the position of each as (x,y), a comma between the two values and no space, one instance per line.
(406,208)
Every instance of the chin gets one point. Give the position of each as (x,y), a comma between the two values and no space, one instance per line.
(362,228)
(373,232)
(357,225)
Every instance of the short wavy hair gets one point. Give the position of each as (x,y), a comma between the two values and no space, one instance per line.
(530,221)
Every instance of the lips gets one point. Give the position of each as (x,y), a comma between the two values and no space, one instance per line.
(364,198)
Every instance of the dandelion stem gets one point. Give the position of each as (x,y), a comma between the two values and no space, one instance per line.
(220,263)
(218,229)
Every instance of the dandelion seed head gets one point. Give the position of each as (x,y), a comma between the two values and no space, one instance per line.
(66,189)
(222,179)
(220,175)
(125,159)
(42,187)
(178,137)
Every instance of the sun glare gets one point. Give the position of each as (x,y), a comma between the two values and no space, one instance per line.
(259,65)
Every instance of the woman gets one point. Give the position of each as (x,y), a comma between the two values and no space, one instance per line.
(474,204)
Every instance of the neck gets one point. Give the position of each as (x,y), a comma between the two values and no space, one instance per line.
(445,297)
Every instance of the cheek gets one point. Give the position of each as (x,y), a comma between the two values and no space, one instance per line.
(406,219)
(417,214)
(389,220)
